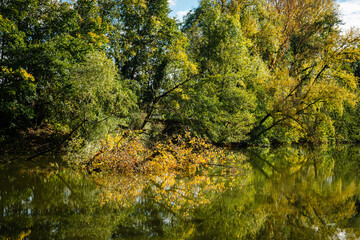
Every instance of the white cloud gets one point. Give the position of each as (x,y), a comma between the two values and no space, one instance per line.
(181,14)
(350,10)
(172,3)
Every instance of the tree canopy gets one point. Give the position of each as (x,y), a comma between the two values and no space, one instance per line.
(234,71)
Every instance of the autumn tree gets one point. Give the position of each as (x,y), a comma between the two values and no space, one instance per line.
(303,82)
(307,80)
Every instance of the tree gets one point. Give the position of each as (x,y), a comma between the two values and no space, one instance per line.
(221,101)
(308,82)
(149,51)
(41,42)
(96,94)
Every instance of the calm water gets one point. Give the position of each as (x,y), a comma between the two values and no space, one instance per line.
(286,193)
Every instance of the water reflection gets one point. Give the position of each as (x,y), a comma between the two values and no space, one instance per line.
(306,194)
(37,203)
(287,193)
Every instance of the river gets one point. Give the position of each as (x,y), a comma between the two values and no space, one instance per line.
(282,193)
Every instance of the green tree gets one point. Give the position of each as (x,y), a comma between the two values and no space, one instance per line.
(45,46)
(149,50)
(96,94)
(221,101)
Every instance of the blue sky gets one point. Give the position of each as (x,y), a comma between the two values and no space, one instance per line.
(181,7)
(350,10)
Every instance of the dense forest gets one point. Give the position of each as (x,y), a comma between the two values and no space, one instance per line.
(234,71)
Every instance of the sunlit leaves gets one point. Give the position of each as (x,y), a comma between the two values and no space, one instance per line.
(221,100)
(150,52)
(308,81)
(126,153)
(182,173)
(122,153)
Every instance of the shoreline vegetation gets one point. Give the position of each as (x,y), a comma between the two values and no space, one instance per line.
(184,155)
(129,89)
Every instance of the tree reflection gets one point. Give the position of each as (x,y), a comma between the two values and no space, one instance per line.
(296,194)
(41,204)
(289,193)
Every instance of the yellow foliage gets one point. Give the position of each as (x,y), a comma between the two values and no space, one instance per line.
(18,73)
(185,155)
(26,75)
(183,172)
(23,234)
(120,153)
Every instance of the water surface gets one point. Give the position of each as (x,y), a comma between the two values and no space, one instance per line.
(284,193)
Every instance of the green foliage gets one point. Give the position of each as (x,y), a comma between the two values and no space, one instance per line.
(149,51)
(14,108)
(234,71)
(220,103)
(95,94)
(53,70)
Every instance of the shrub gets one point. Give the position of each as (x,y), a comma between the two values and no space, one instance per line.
(186,155)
